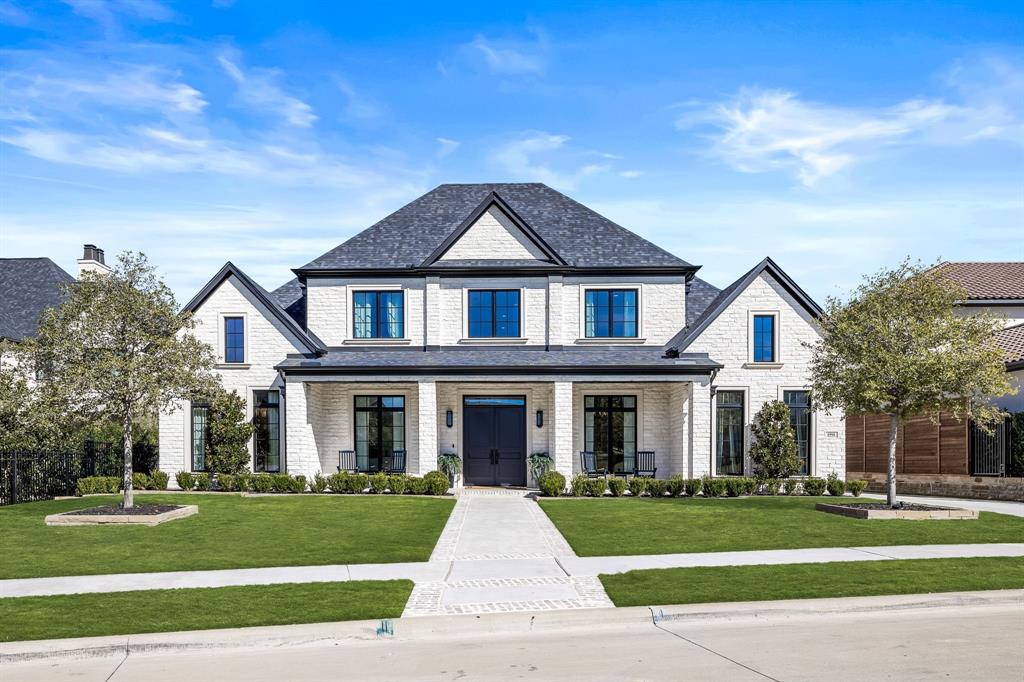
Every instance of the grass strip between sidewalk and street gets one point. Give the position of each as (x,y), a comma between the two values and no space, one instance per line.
(625,526)
(809,581)
(203,608)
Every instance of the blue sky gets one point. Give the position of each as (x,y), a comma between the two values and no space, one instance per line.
(835,138)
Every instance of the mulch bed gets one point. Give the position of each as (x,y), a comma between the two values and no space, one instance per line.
(883,506)
(118,510)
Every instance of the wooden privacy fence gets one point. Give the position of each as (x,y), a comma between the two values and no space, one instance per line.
(923,446)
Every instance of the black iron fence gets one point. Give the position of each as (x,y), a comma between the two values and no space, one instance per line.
(990,451)
(26,476)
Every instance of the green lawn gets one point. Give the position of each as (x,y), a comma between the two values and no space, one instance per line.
(229,531)
(122,613)
(808,581)
(672,525)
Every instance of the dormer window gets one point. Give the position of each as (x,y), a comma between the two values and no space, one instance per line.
(378,314)
(611,313)
(493,313)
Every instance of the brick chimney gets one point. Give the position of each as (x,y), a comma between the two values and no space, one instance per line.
(92,261)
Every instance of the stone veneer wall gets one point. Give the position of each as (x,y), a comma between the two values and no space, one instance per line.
(948,485)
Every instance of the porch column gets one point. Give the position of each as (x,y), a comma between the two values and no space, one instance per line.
(426,428)
(300,451)
(562,428)
(700,428)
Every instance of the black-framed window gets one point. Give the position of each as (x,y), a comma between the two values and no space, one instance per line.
(764,338)
(729,433)
(493,313)
(799,403)
(266,416)
(234,339)
(609,430)
(200,435)
(378,314)
(380,429)
(610,313)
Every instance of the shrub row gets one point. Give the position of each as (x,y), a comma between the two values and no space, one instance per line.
(552,484)
(434,483)
(91,485)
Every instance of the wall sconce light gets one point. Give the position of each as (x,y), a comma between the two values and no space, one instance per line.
(449,418)
(540,418)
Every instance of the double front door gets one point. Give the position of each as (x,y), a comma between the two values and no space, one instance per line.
(494,440)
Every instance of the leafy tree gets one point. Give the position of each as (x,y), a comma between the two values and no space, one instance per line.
(774,449)
(32,416)
(230,432)
(118,348)
(897,347)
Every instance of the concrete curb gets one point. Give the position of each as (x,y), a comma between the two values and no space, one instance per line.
(488,625)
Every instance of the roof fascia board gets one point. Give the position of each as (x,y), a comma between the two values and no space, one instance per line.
(993,302)
(687,271)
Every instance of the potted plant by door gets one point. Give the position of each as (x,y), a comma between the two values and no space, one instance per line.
(539,463)
(450,464)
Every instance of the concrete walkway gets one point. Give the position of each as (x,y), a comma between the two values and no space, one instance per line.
(997,506)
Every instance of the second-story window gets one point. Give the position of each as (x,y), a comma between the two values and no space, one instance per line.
(611,313)
(234,339)
(764,338)
(378,314)
(494,313)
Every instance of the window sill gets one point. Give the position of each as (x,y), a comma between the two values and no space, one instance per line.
(762,365)
(376,342)
(493,340)
(232,365)
(611,341)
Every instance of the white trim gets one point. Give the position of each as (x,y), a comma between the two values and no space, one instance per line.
(748,467)
(222,332)
(776,350)
(350,299)
(493,341)
(812,466)
(582,331)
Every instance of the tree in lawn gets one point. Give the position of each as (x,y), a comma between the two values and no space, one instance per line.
(229,436)
(898,348)
(774,449)
(119,349)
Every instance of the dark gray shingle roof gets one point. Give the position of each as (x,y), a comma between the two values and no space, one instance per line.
(290,297)
(698,298)
(28,286)
(579,235)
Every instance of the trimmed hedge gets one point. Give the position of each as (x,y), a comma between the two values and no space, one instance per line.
(437,483)
(856,486)
(185,480)
(378,483)
(814,486)
(789,486)
(692,486)
(578,485)
(596,487)
(551,483)
(834,486)
(140,481)
(158,480)
(657,487)
(713,487)
(95,485)
(638,486)
(616,486)
(676,485)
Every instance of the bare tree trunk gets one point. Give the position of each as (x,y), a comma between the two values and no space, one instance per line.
(894,424)
(129,493)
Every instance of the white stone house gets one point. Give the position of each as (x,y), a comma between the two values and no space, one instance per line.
(498,320)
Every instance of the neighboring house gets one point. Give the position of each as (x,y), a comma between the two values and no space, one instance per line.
(498,320)
(952,457)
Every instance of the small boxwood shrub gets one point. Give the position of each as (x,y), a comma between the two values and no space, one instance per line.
(158,480)
(749,486)
(789,486)
(357,483)
(298,483)
(834,486)
(262,483)
(551,483)
(140,481)
(676,485)
(814,486)
(733,486)
(203,481)
(578,485)
(656,487)
(185,480)
(856,486)
(596,487)
(398,484)
(227,482)
(378,483)
(437,483)
(638,485)
(712,487)
(417,486)
(692,486)
(280,483)
(318,485)
(93,485)
(243,481)
(616,486)
(772,486)
(338,483)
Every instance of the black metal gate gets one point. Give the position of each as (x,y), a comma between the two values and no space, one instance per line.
(990,452)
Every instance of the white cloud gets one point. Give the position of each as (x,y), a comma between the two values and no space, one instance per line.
(258,89)
(511,58)
(107,13)
(357,105)
(12,15)
(447,146)
(775,130)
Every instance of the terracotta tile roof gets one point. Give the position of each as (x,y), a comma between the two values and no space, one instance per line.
(987,281)
(1011,340)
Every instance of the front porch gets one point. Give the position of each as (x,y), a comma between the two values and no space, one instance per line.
(494,423)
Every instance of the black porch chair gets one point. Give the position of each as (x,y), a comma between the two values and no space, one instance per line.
(347,461)
(589,468)
(396,463)
(645,464)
